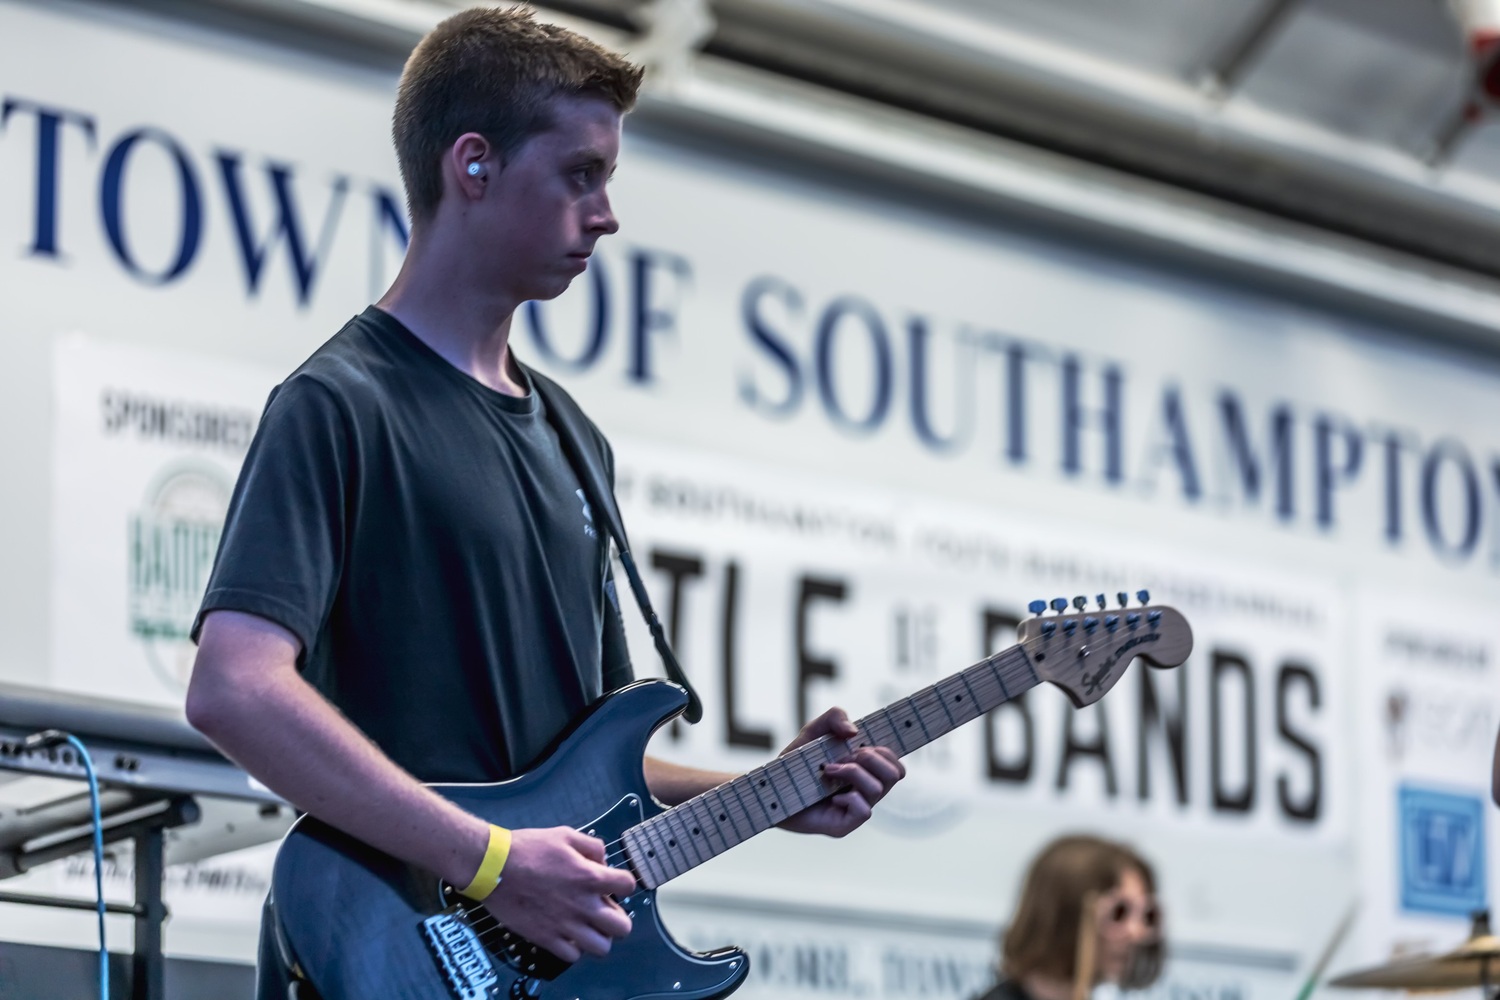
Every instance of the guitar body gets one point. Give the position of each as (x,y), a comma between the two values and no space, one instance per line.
(354,917)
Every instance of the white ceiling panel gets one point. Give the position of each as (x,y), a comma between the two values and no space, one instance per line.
(1176,37)
(1477,160)
(1381,71)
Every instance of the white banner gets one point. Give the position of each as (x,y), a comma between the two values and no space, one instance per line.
(825,952)
(787,594)
(147,447)
(1427,720)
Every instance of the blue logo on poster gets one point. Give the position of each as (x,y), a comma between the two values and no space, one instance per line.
(1442,852)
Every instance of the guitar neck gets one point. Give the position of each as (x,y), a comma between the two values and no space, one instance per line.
(683,837)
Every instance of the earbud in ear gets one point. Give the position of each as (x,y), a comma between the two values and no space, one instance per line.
(476,170)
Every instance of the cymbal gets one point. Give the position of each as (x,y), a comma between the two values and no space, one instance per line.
(1475,963)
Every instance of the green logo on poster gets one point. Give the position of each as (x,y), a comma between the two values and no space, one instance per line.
(172,541)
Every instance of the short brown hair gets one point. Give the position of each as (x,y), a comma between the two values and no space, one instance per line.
(493,72)
(1044,930)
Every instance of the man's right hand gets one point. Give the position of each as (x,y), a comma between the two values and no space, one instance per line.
(555,887)
(555,892)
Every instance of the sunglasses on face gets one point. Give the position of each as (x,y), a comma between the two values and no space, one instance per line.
(1114,914)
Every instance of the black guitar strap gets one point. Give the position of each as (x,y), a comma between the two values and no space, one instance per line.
(576,435)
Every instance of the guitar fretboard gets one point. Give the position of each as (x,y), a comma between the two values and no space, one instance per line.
(683,837)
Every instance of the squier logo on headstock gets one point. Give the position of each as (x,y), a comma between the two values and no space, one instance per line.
(1086,651)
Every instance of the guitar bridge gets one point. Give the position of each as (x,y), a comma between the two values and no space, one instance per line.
(501,943)
(462,957)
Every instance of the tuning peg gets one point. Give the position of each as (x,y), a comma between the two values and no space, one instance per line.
(1080,602)
(1100,599)
(1132,619)
(1153,617)
(1123,598)
(1111,622)
(1090,623)
(1059,604)
(1037,607)
(1144,596)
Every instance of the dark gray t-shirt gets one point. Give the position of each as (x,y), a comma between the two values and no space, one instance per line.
(426,540)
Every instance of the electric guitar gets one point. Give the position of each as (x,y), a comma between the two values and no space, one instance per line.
(363,925)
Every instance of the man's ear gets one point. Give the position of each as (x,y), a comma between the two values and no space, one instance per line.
(467,165)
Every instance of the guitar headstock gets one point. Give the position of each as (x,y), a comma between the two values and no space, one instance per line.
(1085,650)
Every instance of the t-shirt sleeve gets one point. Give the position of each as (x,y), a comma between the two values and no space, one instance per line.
(282,549)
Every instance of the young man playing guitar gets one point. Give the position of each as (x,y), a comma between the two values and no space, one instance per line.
(410,587)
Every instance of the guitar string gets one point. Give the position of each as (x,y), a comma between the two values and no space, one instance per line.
(929,697)
(487,927)
(921,700)
(616,853)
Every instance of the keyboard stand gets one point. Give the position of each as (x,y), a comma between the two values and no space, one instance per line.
(144,823)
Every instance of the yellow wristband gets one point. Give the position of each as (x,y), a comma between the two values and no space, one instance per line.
(488,877)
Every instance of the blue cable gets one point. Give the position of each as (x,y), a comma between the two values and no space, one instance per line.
(49,737)
(88,767)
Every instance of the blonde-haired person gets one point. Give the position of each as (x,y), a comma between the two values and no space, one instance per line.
(1087,915)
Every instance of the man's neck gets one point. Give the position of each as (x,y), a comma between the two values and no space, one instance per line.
(437,301)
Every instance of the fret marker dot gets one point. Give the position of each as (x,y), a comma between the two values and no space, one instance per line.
(773,805)
(695,831)
(671,843)
(763,782)
(908,723)
(721,817)
(650,854)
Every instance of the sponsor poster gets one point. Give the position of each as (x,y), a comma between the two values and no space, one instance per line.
(1429,706)
(147,444)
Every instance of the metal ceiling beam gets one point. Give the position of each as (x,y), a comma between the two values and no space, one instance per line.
(1222,73)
